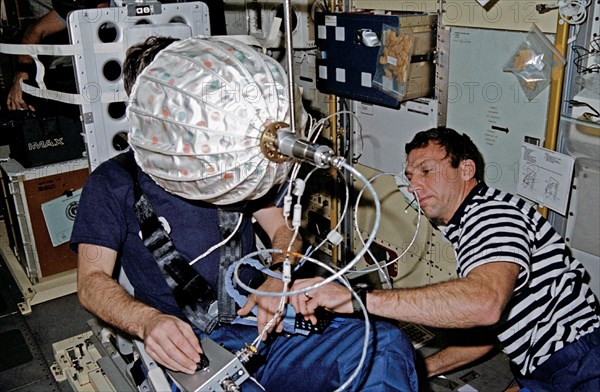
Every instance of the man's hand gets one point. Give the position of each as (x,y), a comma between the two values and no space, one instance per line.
(333,297)
(172,343)
(267,306)
(15,100)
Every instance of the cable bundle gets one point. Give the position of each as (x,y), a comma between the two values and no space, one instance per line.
(573,11)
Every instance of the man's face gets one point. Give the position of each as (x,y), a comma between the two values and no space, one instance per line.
(441,188)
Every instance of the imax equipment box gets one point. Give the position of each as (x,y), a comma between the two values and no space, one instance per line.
(39,139)
(39,209)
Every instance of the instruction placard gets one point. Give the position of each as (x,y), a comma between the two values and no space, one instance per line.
(545,177)
(59,215)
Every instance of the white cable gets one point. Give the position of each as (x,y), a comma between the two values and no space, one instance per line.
(311,128)
(573,11)
(321,122)
(293,175)
(343,214)
(299,186)
(337,275)
(271,322)
(336,228)
(383,273)
(377,264)
(287,206)
(314,132)
(257,383)
(363,309)
(297,216)
(226,240)
(286,278)
(339,164)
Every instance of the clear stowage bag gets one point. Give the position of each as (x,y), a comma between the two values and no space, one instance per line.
(532,63)
(393,62)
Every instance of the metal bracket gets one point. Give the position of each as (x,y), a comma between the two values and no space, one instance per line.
(267,142)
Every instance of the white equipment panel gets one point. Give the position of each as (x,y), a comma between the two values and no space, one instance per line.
(385,131)
(263,19)
(488,105)
(105,34)
(500,14)
(583,224)
(430,259)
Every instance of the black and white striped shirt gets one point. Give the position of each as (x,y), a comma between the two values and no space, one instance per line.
(551,305)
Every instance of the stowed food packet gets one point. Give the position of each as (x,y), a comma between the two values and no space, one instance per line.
(393,62)
(532,63)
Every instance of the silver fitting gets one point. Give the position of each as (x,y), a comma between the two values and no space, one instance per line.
(288,144)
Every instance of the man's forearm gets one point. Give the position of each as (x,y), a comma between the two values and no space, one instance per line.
(282,240)
(454,357)
(478,299)
(49,24)
(444,305)
(104,297)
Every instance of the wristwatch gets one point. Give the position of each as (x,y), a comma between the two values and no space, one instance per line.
(361,290)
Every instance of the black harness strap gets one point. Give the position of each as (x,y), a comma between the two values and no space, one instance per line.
(192,292)
(230,253)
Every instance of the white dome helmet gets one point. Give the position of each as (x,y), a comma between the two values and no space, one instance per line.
(196,116)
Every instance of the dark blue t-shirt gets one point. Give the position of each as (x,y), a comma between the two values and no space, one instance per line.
(106,217)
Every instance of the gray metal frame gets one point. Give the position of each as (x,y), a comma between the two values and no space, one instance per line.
(100,85)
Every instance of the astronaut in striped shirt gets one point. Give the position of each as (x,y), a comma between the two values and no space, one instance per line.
(517,286)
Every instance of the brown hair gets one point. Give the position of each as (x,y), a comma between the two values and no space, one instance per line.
(458,147)
(139,56)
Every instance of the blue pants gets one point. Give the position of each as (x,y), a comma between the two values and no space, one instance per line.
(322,362)
(575,367)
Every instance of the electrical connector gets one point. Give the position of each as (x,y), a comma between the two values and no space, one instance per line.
(299,186)
(247,352)
(286,273)
(334,237)
(287,206)
(297,218)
